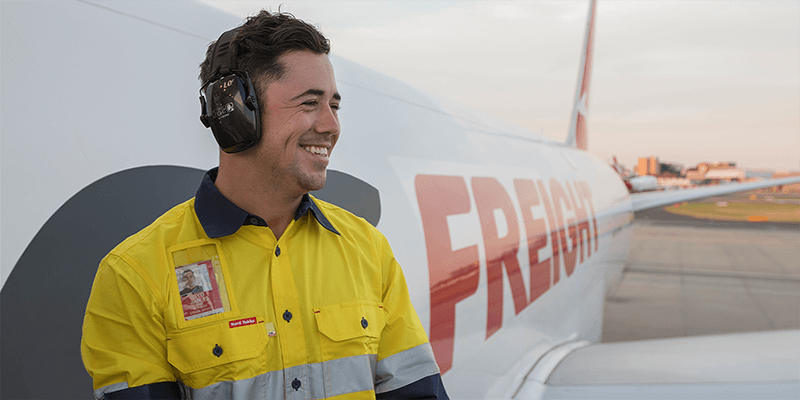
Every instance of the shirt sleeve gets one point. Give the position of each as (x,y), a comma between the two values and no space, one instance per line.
(430,387)
(405,357)
(124,338)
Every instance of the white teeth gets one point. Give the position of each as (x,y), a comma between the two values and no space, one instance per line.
(320,151)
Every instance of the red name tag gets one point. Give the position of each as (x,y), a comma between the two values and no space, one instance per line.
(242,322)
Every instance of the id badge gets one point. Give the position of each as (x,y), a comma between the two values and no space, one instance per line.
(200,281)
(199,290)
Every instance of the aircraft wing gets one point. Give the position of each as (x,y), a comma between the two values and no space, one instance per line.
(656,199)
(742,365)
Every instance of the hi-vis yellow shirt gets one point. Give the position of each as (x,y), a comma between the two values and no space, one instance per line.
(206,296)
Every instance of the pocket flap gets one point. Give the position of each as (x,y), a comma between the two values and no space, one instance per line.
(216,344)
(350,320)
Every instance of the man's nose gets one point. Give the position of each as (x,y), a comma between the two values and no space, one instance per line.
(328,121)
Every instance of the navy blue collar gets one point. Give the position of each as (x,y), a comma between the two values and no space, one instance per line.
(220,217)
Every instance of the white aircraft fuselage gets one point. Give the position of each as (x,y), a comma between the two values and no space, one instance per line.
(508,240)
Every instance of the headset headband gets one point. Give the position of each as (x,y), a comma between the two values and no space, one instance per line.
(222,59)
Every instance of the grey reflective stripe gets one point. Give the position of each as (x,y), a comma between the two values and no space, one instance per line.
(349,375)
(405,367)
(99,393)
(265,386)
(317,381)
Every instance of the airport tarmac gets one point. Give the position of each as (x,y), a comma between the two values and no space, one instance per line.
(689,278)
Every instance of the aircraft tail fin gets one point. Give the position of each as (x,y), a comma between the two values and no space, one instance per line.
(577,127)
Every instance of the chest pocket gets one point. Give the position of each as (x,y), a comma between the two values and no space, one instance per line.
(349,329)
(218,351)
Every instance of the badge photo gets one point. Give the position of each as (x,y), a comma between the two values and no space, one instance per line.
(199,290)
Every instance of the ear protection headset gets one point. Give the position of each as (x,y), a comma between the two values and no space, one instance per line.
(228,100)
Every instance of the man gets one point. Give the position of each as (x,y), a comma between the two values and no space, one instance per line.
(189,287)
(305,299)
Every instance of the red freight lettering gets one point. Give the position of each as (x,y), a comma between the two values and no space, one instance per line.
(500,251)
(559,198)
(554,240)
(536,232)
(586,194)
(454,275)
(583,221)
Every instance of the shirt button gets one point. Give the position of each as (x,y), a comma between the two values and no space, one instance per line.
(253,220)
(364,323)
(287,316)
(296,384)
(277,251)
(217,350)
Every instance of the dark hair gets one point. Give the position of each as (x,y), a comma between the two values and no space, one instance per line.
(262,39)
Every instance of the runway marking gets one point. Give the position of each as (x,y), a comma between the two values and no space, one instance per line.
(713,274)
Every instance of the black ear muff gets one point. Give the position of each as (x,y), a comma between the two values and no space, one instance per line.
(228,101)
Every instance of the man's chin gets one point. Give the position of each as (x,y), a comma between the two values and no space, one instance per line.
(314,183)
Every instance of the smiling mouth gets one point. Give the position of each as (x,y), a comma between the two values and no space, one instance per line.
(320,151)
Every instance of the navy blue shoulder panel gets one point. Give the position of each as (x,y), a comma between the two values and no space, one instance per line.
(430,387)
(160,390)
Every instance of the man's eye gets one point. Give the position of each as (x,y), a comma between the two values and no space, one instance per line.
(335,107)
(310,103)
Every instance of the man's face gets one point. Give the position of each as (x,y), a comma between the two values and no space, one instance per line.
(188,279)
(300,125)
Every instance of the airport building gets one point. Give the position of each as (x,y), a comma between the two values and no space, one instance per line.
(648,166)
(671,175)
(716,172)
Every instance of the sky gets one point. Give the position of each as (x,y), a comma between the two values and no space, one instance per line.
(687,81)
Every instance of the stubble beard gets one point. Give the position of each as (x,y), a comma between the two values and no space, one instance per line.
(310,183)
(305,180)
